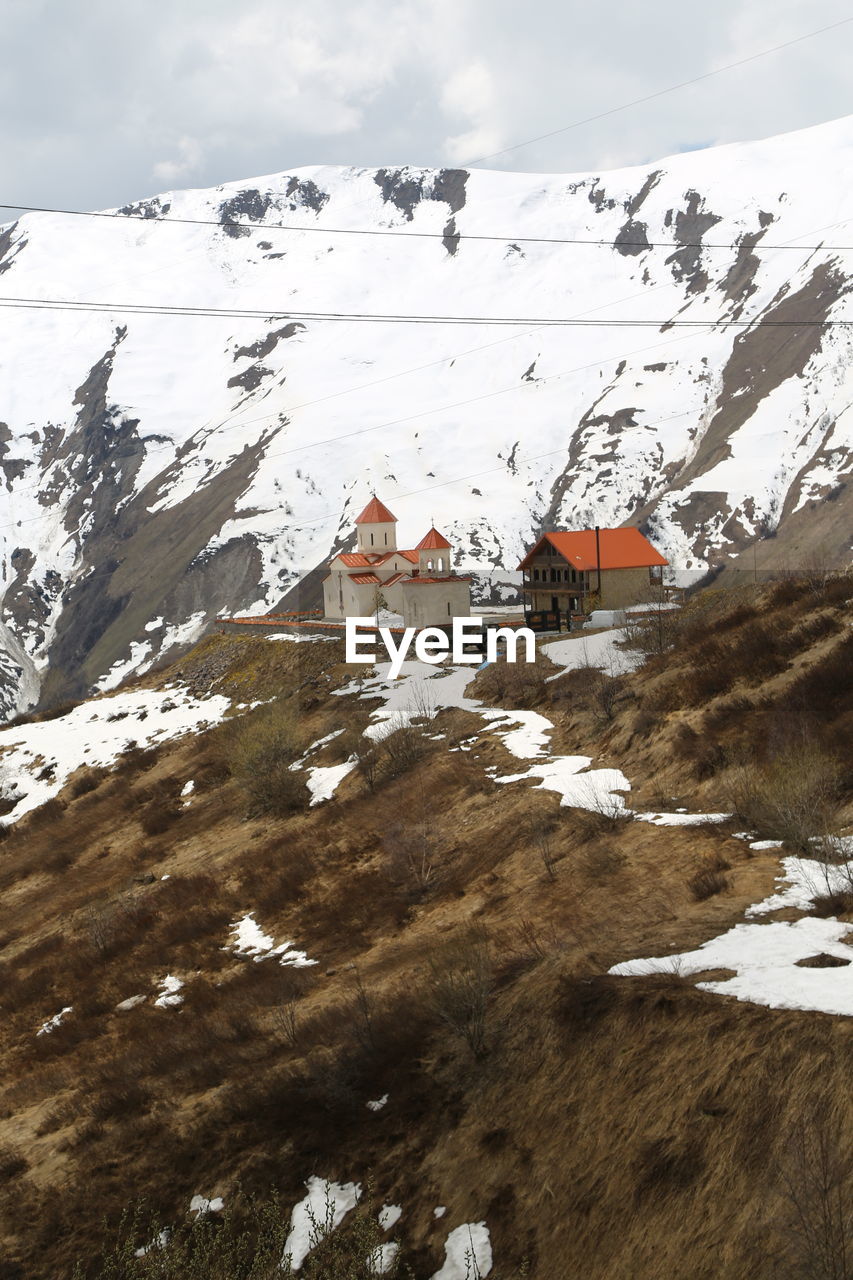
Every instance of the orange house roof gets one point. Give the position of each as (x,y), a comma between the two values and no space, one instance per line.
(367,559)
(358,559)
(424,581)
(365,579)
(434,541)
(376,513)
(620,549)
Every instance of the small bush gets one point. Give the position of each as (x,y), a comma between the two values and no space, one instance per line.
(602,815)
(157,817)
(86,780)
(459,982)
(516,684)
(51,811)
(603,861)
(12,1163)
(264,747)
(792,798)
(245,1241)
(709,879)
(401,748)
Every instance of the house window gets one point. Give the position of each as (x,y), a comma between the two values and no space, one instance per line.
(371,539)
(440,565)
(448,608)
(535,575)
(386,539)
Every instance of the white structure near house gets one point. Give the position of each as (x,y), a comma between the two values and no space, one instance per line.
(419,584)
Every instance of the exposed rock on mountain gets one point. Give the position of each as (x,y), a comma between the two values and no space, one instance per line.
(159,468)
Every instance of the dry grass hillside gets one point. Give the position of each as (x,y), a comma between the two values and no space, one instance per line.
(603,1127)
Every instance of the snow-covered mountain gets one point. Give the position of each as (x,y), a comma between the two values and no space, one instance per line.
(160,469)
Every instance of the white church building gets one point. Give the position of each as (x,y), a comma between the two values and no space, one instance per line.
(418,584)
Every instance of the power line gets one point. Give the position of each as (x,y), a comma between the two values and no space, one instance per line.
(488,395)
(576,124)
(674,246)
(363,317)
(222,428)
(411,493)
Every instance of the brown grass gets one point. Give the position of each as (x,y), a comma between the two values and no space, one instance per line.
(531,1090)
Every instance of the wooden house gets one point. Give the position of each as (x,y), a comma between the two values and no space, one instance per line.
(576,571)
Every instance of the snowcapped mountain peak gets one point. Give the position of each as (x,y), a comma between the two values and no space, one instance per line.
(164,466)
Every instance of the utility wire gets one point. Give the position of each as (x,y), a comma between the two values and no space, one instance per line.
(674,246)
(576,124)
(361,317)
(411,493)
(488,395)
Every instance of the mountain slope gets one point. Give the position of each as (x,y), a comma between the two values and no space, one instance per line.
(162,468)
(410,978)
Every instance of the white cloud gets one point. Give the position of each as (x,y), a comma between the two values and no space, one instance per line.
(214,91)
(470,95)
(189,157)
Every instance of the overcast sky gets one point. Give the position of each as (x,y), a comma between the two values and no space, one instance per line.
(104,101)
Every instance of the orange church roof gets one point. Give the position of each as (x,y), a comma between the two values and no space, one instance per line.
(620,549)
(434,541)
(376,513)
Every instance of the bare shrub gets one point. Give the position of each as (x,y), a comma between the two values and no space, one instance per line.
(263,749)
(247,1238)
(603,812)
(416,847)
(708,879)
(101,925)
(367,756)
(459,983)
(655,630)
(286,1022)
(517,684)
(158,816)
(12,1163)
(816,1177)
(540,834)
(705,755)
(793,798)
(401,747)
(86,780)
(603,861)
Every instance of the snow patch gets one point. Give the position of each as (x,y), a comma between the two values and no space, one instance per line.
(323,1209)
(36,760)
(251,943)
(169,987)
(467,1253)
(54,1022)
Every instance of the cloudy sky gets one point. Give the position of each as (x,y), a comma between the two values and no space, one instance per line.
(102,102)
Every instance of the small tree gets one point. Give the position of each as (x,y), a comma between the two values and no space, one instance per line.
(460,982)
(379,602)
